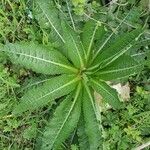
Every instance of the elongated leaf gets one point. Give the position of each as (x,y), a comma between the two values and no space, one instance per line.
(3,56)
(134,50)
(63,123)
(144,43)
(46,93)
(39,58)
(82,136)
(74,48)
(148,59)
(92,124)
(109,94)
(120,46)
(124,66)
(139,57)
(34,81)
(92,31)
(48,16)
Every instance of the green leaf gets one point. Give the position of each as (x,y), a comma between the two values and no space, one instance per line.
(30,132)
(82,136)
(48,16)
(63,123)
(92,124)
(120,46)
(139,57)
(123,67)
(3,57)
(74,48)
(91,32)
(34,81)
(39,58)
(148,59)
(109,94)
(139,44)
(50,90)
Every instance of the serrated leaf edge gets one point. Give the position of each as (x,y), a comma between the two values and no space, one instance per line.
(51,23)
(73,104)
(48,61)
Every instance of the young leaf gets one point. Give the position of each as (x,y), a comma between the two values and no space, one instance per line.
(43,94)
(74,48)
(39,58)
(82,136)
(48,16)
(92,124)
(148,60)
(124,66)
(63,123)
(139,44)
(118,48)
(109,95)
(91,32)
(34,81)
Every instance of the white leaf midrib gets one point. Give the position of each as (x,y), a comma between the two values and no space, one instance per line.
(66,118)
(61,87)
(45,60)
(91,41)
(118,70)
(103,88)
(53,26)
(77,50)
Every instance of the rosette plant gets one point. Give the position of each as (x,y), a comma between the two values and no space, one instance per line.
(81,65)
